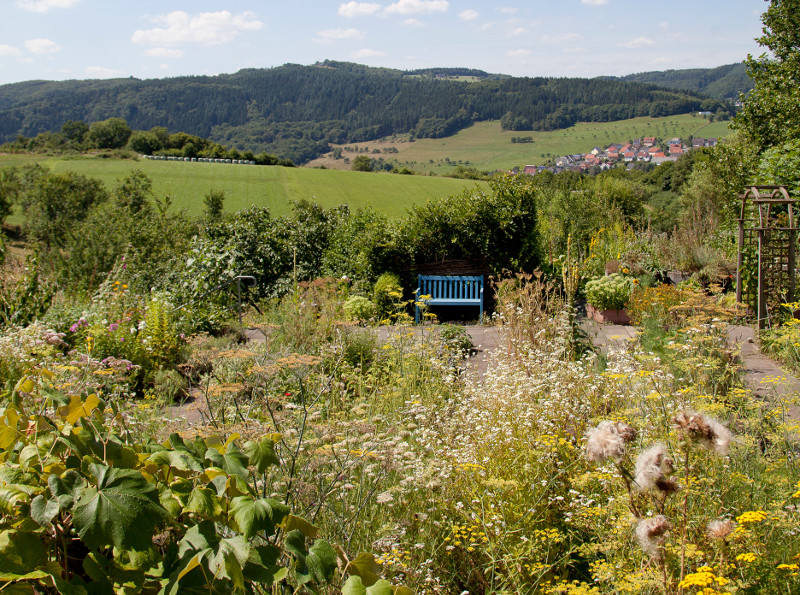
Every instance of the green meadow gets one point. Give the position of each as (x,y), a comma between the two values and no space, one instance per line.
(487,147)
(246,185)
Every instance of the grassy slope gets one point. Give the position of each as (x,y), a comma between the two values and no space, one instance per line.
(486,146)
(274,187)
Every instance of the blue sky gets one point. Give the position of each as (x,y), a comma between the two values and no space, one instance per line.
(83,39)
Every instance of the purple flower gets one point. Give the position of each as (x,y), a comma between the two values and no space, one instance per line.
(113,326)
(73,328)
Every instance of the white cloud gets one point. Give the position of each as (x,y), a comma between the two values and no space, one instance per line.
(594,2)
(359,9)
(508,10)
(367,53)
(468,15)
(206,27)
(41,46)
(418,6)
(559,38)
(9,50)
(639,42)
(518,53)
(331,34)
(414,23)
(101,72)
(575,50)
(164,53)
(163,66)
(45,5)
(518,31)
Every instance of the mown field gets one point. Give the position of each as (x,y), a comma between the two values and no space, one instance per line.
(487,147)
(274,187)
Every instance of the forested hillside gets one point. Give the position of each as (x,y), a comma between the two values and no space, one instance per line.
(724,82)
(294,111)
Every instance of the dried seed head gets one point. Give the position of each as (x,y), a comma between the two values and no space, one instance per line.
(628,433)
(652,468)
(704,430)
(606,442)
(651,534)
(720,528)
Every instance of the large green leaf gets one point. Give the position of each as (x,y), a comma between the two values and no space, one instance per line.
(178,460)
(204,502)
(262,454)
(122,510)
(14,501)
(222,561)
(43,511)
(365,566)
(20,553)
(254,515)
(233,462)
(292,523)
(321,561)
(262,565)
(354,586)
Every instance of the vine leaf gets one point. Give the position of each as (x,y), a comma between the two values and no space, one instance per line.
(78,408)
(253,515)
(354,586)
(365,566)
(262,453)
(122,510)
(20,554)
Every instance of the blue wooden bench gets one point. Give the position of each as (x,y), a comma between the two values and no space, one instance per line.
(451,290)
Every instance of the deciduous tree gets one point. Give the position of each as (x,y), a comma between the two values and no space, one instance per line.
(771,113)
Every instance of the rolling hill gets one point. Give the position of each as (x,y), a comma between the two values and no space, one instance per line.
(724,82)
(297,112)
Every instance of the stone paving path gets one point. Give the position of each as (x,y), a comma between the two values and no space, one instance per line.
(764,376)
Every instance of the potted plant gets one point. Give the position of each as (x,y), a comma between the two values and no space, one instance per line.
(607,296)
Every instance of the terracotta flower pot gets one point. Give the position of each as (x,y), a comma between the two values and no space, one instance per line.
(613,316)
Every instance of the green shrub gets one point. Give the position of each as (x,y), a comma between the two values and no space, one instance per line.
(360,308)
(610,292)
(387,295)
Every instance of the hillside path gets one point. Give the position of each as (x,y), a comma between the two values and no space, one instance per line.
(760,374)
(764,376)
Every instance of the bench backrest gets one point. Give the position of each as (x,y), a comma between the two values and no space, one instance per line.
(451,290)
(452,287)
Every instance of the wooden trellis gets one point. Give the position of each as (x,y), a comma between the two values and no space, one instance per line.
(767,262)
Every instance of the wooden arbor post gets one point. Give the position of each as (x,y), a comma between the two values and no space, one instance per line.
(776,245)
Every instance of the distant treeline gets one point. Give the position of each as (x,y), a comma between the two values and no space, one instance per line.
(116,136)
(724,82)
(296,112)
